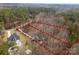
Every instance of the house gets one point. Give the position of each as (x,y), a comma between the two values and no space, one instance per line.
(16,38)
(13,37)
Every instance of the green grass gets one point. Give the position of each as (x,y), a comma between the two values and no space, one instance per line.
(74,37)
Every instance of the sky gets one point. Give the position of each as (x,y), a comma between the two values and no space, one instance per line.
(42,1)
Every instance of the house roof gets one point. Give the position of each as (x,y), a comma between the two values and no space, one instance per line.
(14,37)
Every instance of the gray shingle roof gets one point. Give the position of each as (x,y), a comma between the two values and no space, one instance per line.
(14,37)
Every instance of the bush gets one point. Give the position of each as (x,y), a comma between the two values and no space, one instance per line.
(4,48)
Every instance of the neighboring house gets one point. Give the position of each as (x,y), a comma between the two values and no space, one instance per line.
(28,51)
